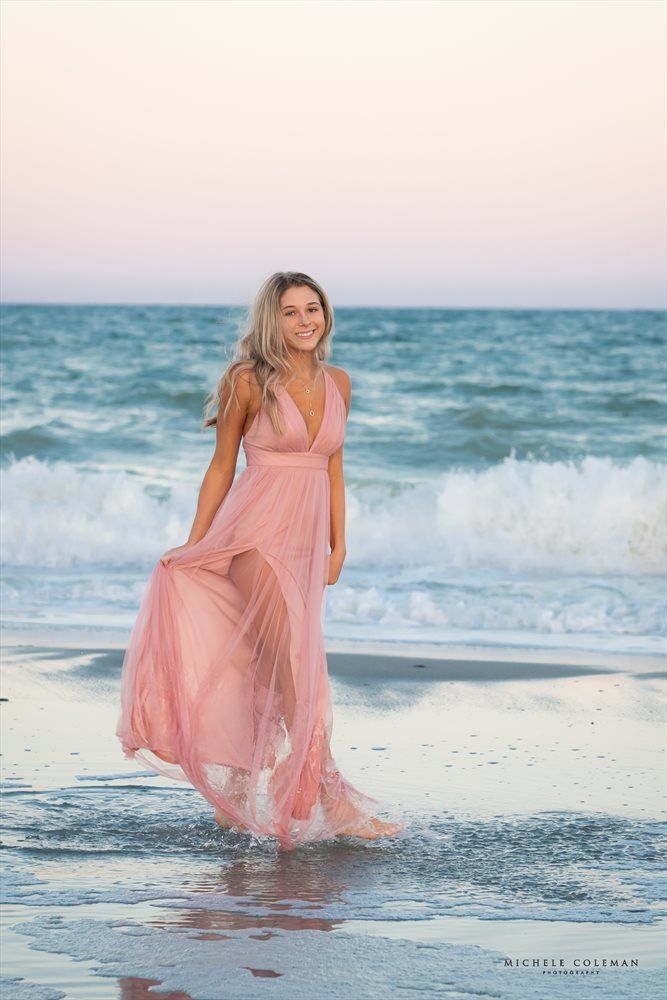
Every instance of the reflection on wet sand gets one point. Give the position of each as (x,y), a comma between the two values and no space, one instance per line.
(279,887)
(132,988)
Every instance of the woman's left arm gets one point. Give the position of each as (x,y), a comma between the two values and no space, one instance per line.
(337,492)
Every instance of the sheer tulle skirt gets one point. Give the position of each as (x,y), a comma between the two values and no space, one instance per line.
(225,680)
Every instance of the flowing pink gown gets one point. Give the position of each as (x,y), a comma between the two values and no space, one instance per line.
(225,680)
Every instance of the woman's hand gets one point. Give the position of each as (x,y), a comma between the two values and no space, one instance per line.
(336,560)
(169,555)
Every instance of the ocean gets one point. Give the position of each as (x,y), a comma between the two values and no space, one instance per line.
(505,469)
(505,489)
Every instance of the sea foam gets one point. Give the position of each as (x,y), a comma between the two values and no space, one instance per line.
(595,515)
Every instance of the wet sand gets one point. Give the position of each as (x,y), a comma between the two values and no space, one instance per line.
(532,787)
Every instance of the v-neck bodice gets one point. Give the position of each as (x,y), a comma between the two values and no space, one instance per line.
(262,437)
(297,410)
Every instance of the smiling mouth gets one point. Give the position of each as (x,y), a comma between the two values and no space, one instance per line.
(308,334)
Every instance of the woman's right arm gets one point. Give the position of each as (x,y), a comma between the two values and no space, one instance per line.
(220,473)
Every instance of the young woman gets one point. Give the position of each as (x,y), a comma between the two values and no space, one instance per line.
(225,679)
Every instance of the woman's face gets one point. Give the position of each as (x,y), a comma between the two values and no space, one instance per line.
(302,318)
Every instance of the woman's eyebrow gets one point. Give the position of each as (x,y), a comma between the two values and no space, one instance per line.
(307,303)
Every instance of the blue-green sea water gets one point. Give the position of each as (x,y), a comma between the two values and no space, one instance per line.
(505,479)
(505,469)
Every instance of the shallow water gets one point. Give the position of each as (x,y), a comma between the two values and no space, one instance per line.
(535,832)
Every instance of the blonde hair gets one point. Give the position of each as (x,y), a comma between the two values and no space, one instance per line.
(262,349)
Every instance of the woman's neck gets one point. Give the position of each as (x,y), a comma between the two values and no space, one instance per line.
(307,371)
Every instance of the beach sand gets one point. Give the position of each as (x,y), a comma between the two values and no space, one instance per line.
(532,786)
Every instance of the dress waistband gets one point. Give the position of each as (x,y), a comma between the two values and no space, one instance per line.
(285,459)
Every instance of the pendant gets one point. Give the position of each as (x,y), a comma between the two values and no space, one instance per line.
(312,412)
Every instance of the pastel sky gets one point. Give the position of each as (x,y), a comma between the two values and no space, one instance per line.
(405,154)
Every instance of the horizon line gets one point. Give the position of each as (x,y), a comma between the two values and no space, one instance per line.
(232,305)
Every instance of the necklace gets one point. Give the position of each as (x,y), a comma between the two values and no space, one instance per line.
(309,389)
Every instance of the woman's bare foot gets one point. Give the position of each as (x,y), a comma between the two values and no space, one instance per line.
(225,823)
(371,829)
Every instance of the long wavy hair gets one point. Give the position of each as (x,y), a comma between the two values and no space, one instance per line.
(261,348)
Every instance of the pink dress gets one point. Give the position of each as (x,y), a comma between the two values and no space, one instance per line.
(225,680)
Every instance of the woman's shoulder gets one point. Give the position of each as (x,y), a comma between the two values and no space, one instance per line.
(343,384)
(242,383)
(340,377)
(248,383)
(246,375)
